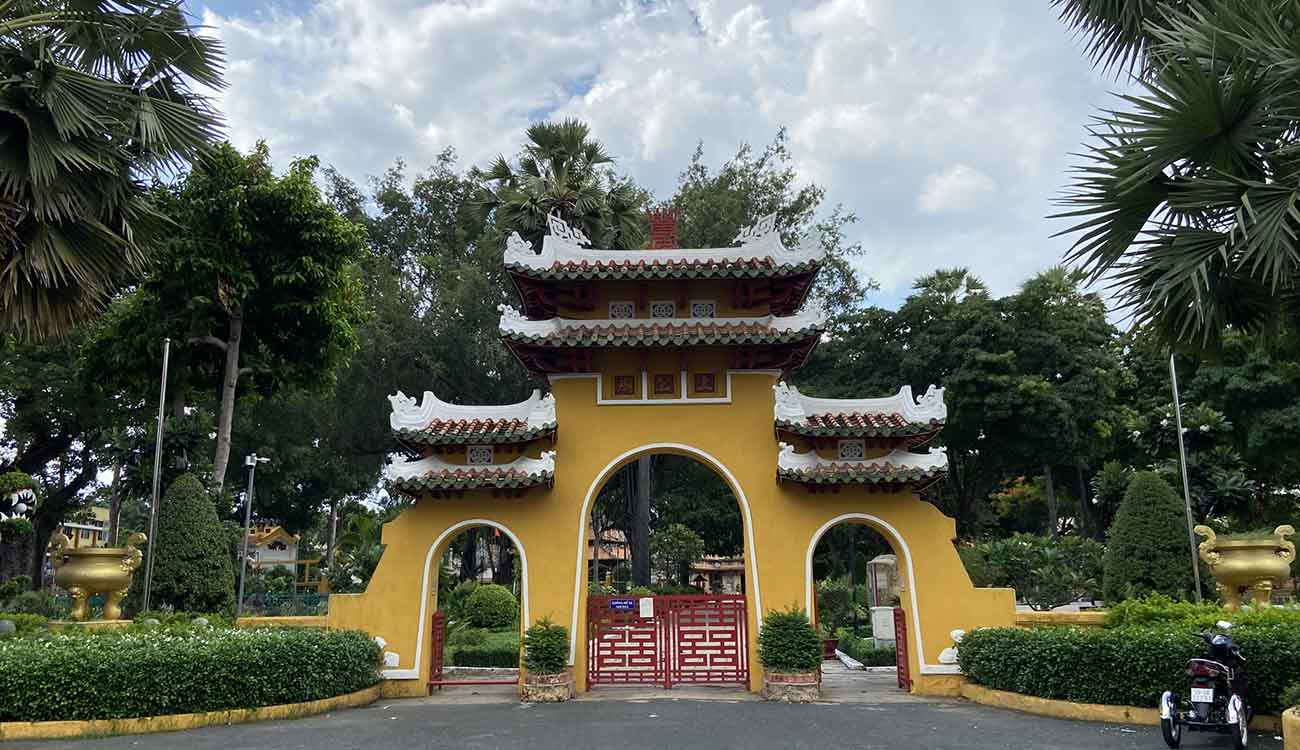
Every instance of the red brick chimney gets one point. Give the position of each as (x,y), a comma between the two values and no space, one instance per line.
(663,227)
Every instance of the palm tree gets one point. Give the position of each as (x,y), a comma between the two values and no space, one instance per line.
(96,96)
(1188,197)
(562,170)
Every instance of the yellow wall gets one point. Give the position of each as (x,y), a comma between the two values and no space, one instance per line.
(783,522)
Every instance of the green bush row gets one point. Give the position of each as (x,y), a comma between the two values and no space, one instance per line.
(1158,609)
(123,674)
(484,656)
(25,624)
(1122,666)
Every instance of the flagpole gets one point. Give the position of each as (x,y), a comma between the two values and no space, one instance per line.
(1182,462)
(157,476)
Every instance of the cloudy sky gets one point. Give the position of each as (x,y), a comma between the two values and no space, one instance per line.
(946,125)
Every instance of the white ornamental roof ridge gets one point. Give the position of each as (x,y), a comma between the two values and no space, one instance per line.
(564,245)
(537,411)
(793,406)
(934,458)
(812,315)
(414,469)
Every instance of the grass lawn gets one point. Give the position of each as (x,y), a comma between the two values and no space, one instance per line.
(481,647)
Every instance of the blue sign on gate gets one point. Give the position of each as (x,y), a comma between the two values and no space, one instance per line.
(622,605)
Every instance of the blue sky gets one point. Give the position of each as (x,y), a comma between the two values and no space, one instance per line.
(945,125)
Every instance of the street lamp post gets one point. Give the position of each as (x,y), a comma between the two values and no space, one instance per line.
(251,461)
(1182,463)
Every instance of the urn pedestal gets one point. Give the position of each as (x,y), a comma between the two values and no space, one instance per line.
(87,571)
(547,688)
(1254,563)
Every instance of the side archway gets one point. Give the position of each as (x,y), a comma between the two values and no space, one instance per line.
(439,543)
(604,475)
(899,544)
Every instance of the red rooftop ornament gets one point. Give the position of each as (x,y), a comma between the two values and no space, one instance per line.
(663,227)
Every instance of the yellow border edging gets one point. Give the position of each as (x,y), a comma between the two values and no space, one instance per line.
(1291,729)
(62,730)
(1091,619)
(1083,711)
(303,621)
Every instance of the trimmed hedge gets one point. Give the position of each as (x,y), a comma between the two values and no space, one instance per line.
(485,656)
(864,651)
(1146,551)
(25,624)
(1122,666)
(788,643)
(115,674)
(193,571)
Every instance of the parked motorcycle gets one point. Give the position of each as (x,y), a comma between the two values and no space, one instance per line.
(1217,695)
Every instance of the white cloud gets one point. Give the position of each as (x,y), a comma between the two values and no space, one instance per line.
(955,189)
(944,124)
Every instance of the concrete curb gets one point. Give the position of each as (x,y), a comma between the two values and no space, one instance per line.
(1085,711)
(63,730)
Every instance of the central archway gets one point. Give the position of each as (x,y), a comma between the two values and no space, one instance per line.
(580,589)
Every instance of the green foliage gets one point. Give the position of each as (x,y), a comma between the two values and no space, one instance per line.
(1157,609)
(546,648)
(13,587)
(486,656)
(171,619)
(491,606)
(1121,666)
(834,604)
(13,529)
(1147,549)
(25,624)
(479,647)
(788,643)
(1045,571)
(37,603)
(82,80)
(673,549)
(865,651)
(106,674)
(192,571)
(1291,696)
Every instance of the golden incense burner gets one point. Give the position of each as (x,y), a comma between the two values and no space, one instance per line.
(87,571)
(1255,562)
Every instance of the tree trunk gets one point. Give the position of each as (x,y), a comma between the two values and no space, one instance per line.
(229,379)
(1086,524)
(334,529)
(469,556)
(505,570)
(641,523)
(1050,486)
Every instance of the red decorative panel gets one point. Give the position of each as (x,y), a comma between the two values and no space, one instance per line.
(665,385)
(900,641)
(706,382)
(624,385)
(690,639)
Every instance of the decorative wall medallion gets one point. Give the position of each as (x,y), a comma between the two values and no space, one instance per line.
(624,385)
(704,308)
(852,450)
(665,385)
(706,382)
(663,309)
(478,455)
(622,310)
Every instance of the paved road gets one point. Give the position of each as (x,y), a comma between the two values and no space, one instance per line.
(679,724)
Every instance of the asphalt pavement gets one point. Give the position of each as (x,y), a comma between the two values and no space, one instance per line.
(676,723)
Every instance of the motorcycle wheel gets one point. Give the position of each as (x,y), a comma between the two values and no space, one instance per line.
(1240,734)
(1172,731)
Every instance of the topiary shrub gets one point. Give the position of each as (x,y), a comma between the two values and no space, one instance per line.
(788,643)
(192,571)
(834,604)
(1147,548)
(122,674)
(491,606)
(1291,696)
(546,648)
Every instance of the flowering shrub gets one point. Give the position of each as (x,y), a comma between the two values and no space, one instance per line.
(123,674)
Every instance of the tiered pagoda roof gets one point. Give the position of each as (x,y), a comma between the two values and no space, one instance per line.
(895,470)
(566,264)
(433,474)
(481,432)
(892,417)
(894,423)
(436,422)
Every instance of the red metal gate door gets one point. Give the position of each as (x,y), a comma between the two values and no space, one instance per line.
(622,646)
(708,638)
(900,644)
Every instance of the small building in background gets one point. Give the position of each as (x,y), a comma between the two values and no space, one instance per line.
(719,575)
(88,528)
(271,547)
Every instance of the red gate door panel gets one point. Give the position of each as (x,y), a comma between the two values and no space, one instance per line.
(900,643)
(623,647)
(689,639)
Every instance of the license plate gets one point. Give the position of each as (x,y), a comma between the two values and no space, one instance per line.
(1202,695)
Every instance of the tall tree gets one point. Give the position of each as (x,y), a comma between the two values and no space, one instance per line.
(263,275)
(96,96)
(1186,196)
